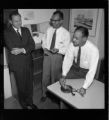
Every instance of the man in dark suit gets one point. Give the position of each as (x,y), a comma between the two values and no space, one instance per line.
(19,43)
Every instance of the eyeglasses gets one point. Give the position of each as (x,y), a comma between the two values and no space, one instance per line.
(55,20)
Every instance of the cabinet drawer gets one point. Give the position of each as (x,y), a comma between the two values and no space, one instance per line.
(37,53)
(37,65)
(37,79)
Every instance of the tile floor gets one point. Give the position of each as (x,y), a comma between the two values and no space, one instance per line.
(12,103)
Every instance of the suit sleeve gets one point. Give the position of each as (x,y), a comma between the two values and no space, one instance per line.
(30,43)
(7,40)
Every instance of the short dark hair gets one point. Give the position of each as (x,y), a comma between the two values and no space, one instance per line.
(12,14)
(60,14)
(84,31)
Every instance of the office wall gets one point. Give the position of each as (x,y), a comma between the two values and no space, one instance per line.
(99,38)
(66,13)
(100,42)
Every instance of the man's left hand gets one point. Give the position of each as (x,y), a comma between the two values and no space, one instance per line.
(54,50)
(82,91)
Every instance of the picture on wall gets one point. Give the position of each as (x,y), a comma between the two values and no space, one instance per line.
(84,17)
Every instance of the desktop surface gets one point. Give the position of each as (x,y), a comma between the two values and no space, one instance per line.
(93,99)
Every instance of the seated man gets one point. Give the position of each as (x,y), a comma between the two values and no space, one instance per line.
(83,56)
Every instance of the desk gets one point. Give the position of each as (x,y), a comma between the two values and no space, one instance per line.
(93,99)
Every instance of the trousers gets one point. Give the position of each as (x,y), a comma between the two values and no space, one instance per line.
(52,69)
(74,74)
(24,83)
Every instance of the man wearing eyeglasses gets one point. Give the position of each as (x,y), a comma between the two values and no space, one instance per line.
(55,43)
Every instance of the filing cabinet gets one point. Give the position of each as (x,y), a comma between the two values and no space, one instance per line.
(37,56)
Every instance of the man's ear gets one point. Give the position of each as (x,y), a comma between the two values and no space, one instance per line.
(10,22)
(61,22)
(84,39)
(50,23)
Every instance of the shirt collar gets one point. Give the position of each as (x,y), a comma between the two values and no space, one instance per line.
(85,45)
(17,29)
(57,28)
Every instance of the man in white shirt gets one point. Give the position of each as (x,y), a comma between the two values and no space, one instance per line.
(54,44)
(88,60)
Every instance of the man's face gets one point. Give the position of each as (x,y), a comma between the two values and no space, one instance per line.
(77,38)
(56,21)
(16,21)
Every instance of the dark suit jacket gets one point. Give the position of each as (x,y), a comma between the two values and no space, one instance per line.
(16,62)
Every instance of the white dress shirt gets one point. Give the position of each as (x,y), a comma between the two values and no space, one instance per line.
(19,30)
(62,39)
(88,60)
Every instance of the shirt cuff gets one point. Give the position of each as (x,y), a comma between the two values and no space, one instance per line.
(64,74)
(24,51)
(85,87)
(61,52)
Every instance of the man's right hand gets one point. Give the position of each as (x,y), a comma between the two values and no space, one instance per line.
(62,81)
(46,51)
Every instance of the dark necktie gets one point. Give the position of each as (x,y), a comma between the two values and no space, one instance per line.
(77,64)
(20,37)
(78,57)
(53,40)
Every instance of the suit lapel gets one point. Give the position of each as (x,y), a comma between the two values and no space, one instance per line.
(14,34)
(12,30)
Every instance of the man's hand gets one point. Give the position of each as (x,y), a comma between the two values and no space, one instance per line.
(54,50)
(82,91)
(62,81)
(46,51)
(17,51)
